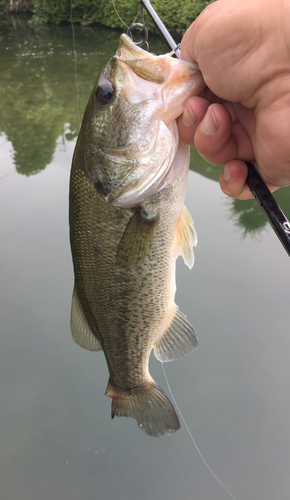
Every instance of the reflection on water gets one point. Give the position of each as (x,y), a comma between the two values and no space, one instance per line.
(42,98)
(247,214)
(38,88)
(56,436)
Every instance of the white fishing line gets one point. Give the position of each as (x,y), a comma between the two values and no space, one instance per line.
(75,62)
(192,438)
(119,15)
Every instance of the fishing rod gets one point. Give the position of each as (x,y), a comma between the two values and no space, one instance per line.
(161,28)
(276,217)
(278,220)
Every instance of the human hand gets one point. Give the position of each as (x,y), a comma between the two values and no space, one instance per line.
(243,51)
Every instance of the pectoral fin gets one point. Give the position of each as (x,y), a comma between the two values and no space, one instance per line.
(178,340)
(137,239)
(80,329)
(185,238)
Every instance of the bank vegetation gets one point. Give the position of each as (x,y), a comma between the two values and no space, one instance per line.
(177,15)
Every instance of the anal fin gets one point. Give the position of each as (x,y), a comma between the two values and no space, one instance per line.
(185,238)
(178,340)
(80,329)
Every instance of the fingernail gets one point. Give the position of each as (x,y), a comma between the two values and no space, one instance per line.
(209,124)
(227,173)
(188,117)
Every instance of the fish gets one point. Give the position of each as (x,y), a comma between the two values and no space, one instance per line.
(128,225)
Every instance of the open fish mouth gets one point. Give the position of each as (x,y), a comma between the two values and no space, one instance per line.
(143,64)
(135,58)
(159,77)
(154,90)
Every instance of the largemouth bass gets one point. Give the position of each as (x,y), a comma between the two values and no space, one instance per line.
(128,224)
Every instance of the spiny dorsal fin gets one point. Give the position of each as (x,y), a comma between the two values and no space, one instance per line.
(136,242)
(185,238)
(178,340)
(81,332)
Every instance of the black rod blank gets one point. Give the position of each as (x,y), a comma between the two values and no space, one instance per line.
(269,205)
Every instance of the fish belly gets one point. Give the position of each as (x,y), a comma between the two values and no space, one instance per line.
(127,307)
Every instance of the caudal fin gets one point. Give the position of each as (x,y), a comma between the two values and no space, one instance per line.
(151,408)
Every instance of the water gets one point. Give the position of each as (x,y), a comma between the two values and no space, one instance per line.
(56,436)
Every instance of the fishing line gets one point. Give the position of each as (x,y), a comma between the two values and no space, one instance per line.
(135,25)
(7,175)
(192,438)
(75,63)
(118,15)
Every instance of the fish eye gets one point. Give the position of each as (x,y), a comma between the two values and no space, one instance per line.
(105,94)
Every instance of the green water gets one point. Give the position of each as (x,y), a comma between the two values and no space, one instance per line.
(56,436)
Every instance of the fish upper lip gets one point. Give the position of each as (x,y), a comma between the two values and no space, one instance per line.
(128,43)
(148,73)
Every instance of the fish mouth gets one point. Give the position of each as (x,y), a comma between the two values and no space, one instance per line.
(147,66)
(129,50)
(155,89)
(162,79)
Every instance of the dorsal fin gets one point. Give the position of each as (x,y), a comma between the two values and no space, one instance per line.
(185,238)
(178,340)
(80,329)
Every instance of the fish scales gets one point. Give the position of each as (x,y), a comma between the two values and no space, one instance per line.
(126,306)
(125,237)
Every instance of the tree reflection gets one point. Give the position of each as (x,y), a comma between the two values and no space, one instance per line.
(38,89)
(246,214)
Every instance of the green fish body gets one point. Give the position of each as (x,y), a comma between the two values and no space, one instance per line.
(128,224)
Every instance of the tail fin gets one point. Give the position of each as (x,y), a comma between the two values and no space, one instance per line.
(151,408)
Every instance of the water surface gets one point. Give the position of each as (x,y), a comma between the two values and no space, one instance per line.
(57,439)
